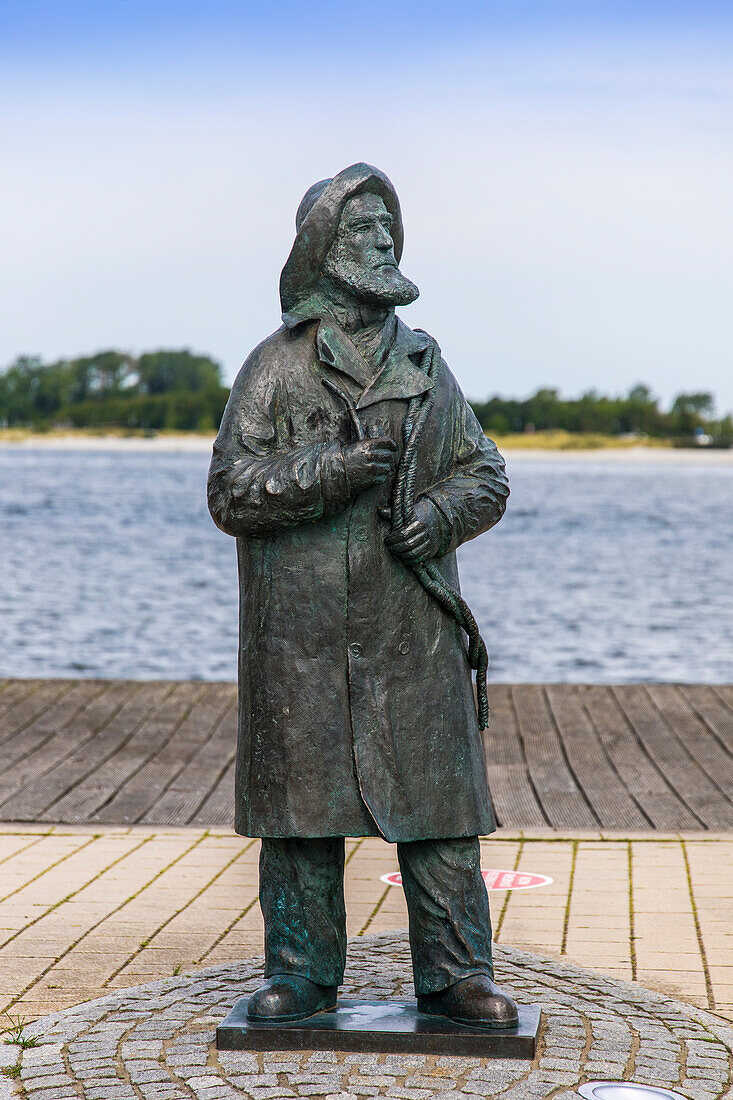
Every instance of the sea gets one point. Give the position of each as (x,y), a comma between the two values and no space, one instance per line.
(601,571)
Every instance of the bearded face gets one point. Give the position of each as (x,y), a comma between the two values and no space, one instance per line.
(361,260)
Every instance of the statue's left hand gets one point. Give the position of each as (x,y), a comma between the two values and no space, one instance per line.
(421,539)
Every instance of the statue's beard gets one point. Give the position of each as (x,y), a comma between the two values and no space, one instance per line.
(383,286)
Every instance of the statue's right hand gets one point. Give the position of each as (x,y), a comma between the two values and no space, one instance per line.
(370,461)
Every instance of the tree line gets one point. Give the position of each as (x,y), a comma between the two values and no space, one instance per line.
(158,390)
(637,413)
(182,391)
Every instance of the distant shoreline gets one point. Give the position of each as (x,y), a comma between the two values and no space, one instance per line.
(658,453)
(190,442)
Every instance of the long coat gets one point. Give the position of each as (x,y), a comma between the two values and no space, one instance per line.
(356,705)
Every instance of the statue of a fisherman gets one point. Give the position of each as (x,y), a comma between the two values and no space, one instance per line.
(350,467)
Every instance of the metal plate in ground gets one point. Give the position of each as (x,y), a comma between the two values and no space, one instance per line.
(625,1090)
(391,1027)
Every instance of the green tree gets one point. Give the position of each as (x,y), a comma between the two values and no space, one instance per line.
(23,388)
(689,411)
(99,375)
(166,371)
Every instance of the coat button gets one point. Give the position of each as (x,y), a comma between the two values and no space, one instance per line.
(404,647)
(355,649)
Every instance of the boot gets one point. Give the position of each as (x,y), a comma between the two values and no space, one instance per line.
(476,1001)
(290,997)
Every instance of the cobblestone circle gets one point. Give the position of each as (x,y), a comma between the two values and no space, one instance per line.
(155,1042)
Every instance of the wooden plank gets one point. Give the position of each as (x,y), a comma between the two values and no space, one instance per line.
(197,728)
(697,738)
(502,741)
(682,772)
(179,806)
(190,788)
(31,706)
(218,809)
(146,776)
(725,694)
(94,774)
(513,800)
(711,710)
(146,788)
(645,783)
(46,774)
(512,795)
(608,797)
(44,740)
(568,756)
(176,807)
(561,798)
(13,691)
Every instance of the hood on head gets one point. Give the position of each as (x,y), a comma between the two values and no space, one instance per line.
(317,223)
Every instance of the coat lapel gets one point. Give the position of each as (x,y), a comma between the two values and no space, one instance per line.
(400,378)
(338,351)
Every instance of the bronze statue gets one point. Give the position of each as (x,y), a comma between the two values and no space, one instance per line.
(349,467)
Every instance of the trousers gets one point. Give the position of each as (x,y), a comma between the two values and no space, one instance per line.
(302,902)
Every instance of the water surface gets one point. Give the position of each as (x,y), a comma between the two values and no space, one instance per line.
(600,571)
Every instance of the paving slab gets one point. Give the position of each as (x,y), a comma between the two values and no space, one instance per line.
(157,1041)
(86,912)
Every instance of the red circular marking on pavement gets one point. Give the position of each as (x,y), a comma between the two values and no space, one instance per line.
(494,879)
(513,880)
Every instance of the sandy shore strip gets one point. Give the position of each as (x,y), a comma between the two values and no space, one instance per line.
(648,456)
(56,441)
(202,444)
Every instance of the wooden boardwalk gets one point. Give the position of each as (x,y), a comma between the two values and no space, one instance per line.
(565,756)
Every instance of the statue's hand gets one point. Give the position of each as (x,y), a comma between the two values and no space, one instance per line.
(369,461)
(425,537)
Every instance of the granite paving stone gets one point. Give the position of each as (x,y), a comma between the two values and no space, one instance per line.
(159,1038)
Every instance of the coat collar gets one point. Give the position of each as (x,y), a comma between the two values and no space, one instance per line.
(399,378)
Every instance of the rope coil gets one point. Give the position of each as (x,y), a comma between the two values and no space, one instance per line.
(403,502)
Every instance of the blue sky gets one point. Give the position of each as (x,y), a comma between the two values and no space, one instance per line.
(565,171)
